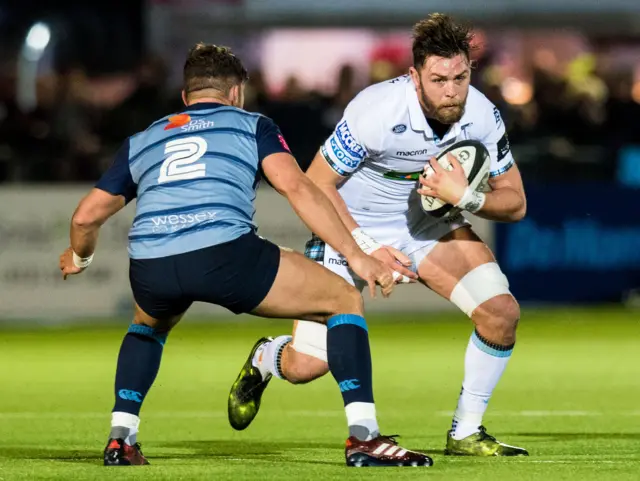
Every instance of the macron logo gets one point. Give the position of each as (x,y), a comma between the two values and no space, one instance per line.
(411,153)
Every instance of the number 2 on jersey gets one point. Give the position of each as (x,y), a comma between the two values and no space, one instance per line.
(181,163)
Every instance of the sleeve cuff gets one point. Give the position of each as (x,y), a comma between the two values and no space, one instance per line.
(503,169)
(333,165)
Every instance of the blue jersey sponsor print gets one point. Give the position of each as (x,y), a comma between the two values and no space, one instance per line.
(195,177)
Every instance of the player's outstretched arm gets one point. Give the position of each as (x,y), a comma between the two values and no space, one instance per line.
(328,181)
(92,212)
(318,213)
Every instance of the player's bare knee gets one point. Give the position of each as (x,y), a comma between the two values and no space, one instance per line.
(498,318)
(347,300)
(351,301)
(483,294)
(299,368)
(160,325)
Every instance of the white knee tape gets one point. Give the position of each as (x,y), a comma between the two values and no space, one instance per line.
(311,338)
(479,285)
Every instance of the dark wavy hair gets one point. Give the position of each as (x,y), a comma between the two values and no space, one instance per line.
(212,67)
(439,35)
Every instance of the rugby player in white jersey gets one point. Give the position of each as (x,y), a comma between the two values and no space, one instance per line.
(370,169)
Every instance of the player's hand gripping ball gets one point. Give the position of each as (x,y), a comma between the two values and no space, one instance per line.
(474,159)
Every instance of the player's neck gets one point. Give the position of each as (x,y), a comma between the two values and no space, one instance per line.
(209,100)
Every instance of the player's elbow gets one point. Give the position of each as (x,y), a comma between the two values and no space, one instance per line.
(518,214)
(84,219)
(295,187)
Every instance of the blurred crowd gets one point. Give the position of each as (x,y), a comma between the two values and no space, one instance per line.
(559,126)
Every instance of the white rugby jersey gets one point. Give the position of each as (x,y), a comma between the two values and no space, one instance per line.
(383,142)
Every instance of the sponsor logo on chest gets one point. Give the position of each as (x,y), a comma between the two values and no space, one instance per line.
(414,148)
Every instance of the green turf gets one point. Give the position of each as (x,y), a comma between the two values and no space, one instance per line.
(570,396)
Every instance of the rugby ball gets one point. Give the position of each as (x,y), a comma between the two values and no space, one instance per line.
(475,161)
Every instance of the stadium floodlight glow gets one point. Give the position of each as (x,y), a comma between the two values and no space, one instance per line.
(38,37)
(35,44)
(516,91)
(36,41)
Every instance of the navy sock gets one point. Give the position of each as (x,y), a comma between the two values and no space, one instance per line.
(349,357)
(138,365)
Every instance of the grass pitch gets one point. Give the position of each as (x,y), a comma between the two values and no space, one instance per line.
(570,395)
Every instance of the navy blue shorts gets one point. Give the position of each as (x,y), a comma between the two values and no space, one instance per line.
(237,275)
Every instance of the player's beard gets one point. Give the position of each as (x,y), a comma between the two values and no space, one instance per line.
(448,113)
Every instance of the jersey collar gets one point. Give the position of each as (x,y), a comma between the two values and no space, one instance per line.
(416,115)
(205,106)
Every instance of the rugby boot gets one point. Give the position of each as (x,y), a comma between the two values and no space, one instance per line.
(382,451)
(118,453)
(246,393)
(480,444)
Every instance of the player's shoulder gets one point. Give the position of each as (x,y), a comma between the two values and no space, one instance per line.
(382,96)
(380,106)
(478,105)
(198,113)
(198,118)
(481,113)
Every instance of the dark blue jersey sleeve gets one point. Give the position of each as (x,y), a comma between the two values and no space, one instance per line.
(117,179)
(269,139)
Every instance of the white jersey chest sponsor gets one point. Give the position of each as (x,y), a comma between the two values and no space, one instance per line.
(409,151)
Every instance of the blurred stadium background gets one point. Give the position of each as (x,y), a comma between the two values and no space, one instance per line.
(77,77)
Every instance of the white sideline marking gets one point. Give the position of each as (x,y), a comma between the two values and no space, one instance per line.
(305,413)
(577,461)
(557,413)
(532,414)
(157,414)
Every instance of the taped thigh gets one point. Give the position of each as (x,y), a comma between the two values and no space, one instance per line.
(478,286)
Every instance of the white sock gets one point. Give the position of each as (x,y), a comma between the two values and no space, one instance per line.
(267,357)
(130,422)
(361,419)
(484,364)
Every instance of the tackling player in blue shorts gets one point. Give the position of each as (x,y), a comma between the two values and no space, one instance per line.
(195,176)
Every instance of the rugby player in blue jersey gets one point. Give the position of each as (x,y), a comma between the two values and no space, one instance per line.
(195,176)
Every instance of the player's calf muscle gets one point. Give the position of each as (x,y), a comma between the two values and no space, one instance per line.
(301,368)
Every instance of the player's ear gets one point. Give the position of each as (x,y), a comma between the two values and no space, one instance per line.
(184,98)
(235,96)
(240,101)
(415,76)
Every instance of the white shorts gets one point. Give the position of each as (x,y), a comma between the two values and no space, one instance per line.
(392,231)
(478,286)
(311,338)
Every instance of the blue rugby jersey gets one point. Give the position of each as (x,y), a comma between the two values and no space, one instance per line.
(195,176)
